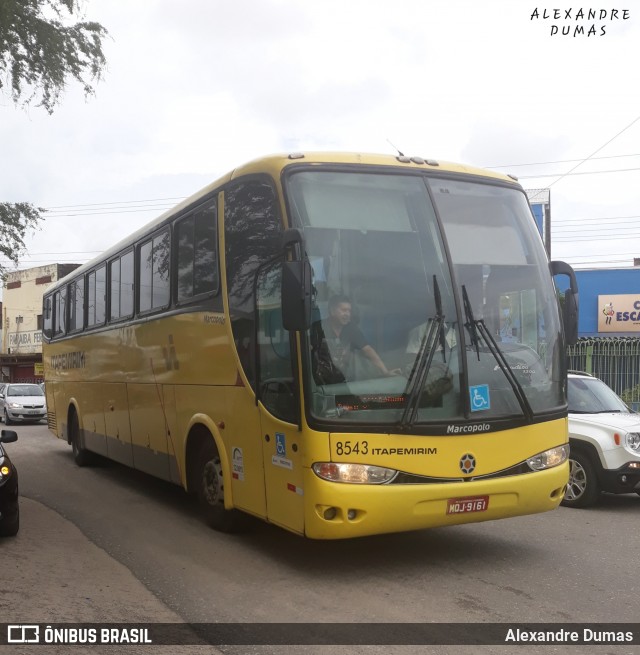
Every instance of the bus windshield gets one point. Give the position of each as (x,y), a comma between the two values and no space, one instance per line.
(432,300)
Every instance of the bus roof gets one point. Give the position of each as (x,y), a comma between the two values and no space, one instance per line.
(274,165)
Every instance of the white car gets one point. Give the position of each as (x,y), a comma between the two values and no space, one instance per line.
(604,435)
(20,402)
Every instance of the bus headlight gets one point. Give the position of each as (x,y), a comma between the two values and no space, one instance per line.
(632,441)
(353,473)
(549,458)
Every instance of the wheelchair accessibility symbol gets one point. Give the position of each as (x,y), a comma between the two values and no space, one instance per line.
(281,448)
(480,398)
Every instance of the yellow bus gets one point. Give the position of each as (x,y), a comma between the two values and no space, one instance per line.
(339,344)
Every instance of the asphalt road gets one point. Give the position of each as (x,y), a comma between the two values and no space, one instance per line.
(566,566)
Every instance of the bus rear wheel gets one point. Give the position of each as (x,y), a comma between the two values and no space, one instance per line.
(210,492)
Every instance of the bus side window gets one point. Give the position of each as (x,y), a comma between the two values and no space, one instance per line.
(153,272)
(96,296)
(60,312)
(197,271)
(47,318)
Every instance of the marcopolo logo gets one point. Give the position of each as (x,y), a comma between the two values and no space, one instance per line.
(468,429)
(468,464)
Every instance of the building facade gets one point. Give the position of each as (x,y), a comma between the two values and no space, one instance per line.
(609,329)
(21,344)
(609,302)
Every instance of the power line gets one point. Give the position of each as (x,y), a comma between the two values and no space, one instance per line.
(128,206)
(102,213)
(560,161)
(582,230)
(118,202)
(535,177)
(597,218)
(571,170)
(598,261)
(595,239)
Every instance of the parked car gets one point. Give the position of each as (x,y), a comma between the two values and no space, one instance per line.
(604,435)
(22,402)
(9,510)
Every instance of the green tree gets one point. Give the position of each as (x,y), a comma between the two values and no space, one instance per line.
(39,54)
(15,220)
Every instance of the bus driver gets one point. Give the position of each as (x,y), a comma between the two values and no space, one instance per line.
(333,342)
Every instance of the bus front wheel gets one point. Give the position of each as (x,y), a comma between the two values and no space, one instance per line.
(210,492)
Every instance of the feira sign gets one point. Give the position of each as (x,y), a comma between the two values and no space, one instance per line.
(619,313)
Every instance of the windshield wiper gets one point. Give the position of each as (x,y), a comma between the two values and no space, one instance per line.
(422,362)
(471,323)
(476,326)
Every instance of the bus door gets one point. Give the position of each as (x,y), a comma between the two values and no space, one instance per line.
(282,450)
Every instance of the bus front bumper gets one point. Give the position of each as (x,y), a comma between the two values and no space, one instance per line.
(339,510)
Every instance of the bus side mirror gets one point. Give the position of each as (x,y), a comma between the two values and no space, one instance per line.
(570,303)
(296,295)
(570,317)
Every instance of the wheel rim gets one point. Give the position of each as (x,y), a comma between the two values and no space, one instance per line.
(577,480)
(212,482)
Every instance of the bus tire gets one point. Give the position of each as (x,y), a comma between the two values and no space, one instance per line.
(210,491)
(81,456)
(583,489)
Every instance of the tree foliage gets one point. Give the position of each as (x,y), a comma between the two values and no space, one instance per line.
(39,54)
(15,220)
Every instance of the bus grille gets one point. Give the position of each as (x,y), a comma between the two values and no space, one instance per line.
(51,421)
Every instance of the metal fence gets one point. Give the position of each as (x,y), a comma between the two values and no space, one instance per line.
(615,361)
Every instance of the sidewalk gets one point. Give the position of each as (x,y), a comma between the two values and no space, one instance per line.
(51,573)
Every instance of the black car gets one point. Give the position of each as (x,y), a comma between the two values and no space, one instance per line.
(9,510)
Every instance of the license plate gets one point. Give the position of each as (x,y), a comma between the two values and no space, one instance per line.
(466,505)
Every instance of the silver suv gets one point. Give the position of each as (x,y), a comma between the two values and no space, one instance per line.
(21,402)
(604,435)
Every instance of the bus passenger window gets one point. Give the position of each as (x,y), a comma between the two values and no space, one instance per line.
(197,254)
(60,314)
(121,277)
(76,305)
(48,318)
(154,272)
(96,298)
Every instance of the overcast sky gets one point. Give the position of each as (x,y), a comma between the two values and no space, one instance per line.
(195,88)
